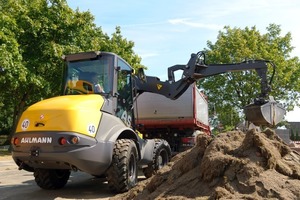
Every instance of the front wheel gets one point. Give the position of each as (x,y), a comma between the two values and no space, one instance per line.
(122,174)
(161,157)
(50,179)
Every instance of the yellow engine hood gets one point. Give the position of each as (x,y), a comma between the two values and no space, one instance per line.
(75,113)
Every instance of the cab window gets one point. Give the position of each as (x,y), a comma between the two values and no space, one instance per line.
(124,87)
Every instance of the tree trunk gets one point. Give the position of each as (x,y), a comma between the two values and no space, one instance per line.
(18,110)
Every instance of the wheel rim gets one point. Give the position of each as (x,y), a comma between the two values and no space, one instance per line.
(162,159)
(132,168)
(60,173)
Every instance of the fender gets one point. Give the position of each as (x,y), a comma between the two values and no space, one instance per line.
(111,128)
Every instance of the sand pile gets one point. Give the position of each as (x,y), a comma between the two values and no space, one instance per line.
(234,165)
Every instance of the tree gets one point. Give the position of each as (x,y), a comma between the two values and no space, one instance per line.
(292,136)
(124,48)
(13,77)
(34,36)
(297,138)
(231,92)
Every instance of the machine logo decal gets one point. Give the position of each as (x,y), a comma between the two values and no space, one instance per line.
(25,124)
(40,140)
(159,86)
(126,118)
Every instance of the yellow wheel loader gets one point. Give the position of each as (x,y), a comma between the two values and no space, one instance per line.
(92,126)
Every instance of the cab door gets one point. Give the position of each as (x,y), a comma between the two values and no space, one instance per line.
(124,91)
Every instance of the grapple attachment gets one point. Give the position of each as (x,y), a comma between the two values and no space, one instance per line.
(269,113)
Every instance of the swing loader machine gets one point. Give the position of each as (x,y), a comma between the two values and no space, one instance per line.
(98,132)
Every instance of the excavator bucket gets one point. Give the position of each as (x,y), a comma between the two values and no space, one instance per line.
(269,114)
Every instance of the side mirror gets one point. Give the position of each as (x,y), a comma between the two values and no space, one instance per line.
(141,75)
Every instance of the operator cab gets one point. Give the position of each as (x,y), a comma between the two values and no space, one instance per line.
(83,73)
(101,73)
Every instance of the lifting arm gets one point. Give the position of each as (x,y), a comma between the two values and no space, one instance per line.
(261,112)
(196,69)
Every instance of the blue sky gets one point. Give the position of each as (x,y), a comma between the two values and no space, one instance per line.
(166,32)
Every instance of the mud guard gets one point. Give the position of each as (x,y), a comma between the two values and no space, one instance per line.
(147,147)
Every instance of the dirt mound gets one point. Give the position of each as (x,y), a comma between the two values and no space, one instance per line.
(234,165)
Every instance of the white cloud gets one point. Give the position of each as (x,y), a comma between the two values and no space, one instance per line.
(148,55)
(145,24)
(188,22)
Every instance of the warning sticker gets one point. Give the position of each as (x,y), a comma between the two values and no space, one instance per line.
(25,124)
(91,129)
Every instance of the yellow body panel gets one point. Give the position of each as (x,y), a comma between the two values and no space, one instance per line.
(75,113)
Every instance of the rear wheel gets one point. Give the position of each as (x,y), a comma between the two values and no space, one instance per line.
(122,174)
(50,179)
(161,157)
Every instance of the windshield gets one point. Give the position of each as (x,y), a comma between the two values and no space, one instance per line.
(90,76)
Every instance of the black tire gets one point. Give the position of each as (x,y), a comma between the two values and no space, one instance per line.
(161,157)
(51,179)
(122,174)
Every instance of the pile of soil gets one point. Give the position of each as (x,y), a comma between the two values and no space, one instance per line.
(234,165)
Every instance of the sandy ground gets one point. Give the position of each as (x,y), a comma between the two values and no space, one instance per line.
(6,157)
(234,165)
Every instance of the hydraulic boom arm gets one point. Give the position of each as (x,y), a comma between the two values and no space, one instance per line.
(196,69)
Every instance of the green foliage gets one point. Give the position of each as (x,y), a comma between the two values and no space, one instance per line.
(292,135)
(124,48)
(34,35)
(297,137)
(225,120)
(230,92)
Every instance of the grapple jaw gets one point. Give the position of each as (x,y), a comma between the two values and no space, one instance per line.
(267,113)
